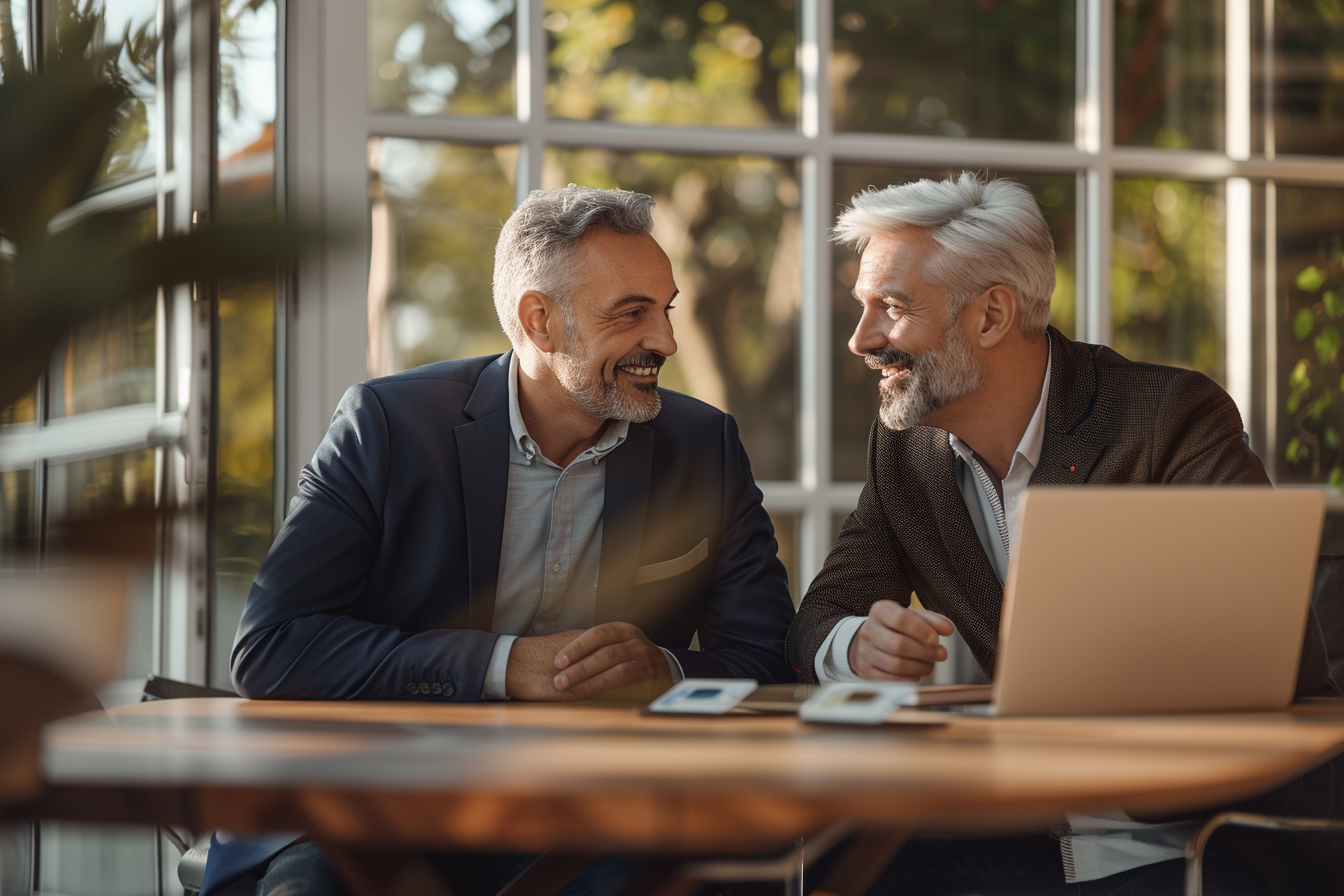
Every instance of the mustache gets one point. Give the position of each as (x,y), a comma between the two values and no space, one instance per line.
(886,357)
(643,359)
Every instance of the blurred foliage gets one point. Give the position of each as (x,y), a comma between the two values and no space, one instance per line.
(1312,315)
(673,61)
(1167,264)
(978,68)
(435,56)
(56,127)
(1169,74)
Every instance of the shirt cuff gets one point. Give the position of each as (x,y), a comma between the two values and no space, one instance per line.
(674,665)
(832,662)
(495,672)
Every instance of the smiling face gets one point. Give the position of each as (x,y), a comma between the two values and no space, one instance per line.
(926,361)
(617,333)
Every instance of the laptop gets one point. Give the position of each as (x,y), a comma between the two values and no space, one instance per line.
(1154,599)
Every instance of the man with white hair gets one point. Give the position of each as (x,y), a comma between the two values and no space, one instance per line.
(546,524)
(979,398)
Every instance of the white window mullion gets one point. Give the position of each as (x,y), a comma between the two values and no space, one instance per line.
(1095,135)
(815,320)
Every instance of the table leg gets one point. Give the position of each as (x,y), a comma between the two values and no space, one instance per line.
(871,851)
(369,872)
(547,875)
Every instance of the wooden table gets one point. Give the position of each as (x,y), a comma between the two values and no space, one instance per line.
(529,777)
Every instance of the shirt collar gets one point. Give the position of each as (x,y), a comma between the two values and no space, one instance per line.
(613,434)
(1029,448)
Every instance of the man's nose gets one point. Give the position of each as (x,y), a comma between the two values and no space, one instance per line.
(869,335)
(659,338)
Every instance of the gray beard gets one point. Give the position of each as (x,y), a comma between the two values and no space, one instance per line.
(937,377)
(599,399)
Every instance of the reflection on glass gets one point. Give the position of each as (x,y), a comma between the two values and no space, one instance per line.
(1167,263)
(105,363)
(786,536)
(854,387)
(1308,80)
(134,23)
(434,56)
(247,96)
(1169,74)
(13,37)
(99,487)
(730,227)
(1309,311)
(18,491)
(245,464)
(724,63)
(436,213)
(955,68)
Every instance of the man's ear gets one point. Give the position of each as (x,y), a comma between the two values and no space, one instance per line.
(998,314)
(540,320)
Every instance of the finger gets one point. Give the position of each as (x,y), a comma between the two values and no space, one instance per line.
(872,673)
(595,663)
(621,674)
(911,623)
(893,643)
(940,623)
(894,665)
(594,638)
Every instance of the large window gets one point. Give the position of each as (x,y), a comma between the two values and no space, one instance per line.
(1157,136)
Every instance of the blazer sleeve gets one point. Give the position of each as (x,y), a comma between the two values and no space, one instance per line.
(297,639)
(864,566)
(1198,440)
(748,612)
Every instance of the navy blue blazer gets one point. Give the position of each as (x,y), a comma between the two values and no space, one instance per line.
(383,575)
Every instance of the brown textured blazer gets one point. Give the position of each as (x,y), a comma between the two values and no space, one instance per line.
(1109,421)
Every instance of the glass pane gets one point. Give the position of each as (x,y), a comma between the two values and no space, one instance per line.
(1167,263)
(245,464)
(725,63)
(109,361)
(95,488)
(1308,79)
(247,97)
(436,213)
(1169,74)
(786,535)
(135,22)
(1308,313)
(18,494)
(956,68)
(106,363)
(435,56)
(22,411)
(730,227)
(95,860)
(13,37)
(854,396)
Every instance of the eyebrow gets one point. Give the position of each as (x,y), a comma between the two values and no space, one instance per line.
(640,300)
(883,293)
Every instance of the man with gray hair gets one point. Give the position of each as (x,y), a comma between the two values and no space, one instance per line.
(980,398)
(546,524)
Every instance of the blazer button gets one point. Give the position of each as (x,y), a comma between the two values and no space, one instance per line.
(411,687)
(424,687)
(448,690)
(437,689)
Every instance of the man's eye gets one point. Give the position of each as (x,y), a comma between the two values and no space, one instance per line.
(668,309)
(895,311)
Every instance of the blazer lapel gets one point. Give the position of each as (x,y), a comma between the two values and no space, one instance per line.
(624,511)
(483,464)
(1067,454)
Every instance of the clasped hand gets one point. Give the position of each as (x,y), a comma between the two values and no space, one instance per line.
(896,643)
(578,664)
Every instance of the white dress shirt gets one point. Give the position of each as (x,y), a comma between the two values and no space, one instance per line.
(552,543)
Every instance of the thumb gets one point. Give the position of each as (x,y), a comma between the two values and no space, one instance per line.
(941,624)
